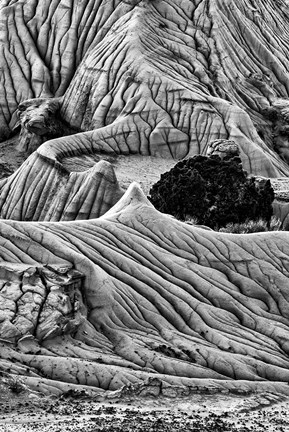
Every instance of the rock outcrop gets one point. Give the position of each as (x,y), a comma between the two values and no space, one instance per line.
(38,303)
(150,77)
(40,121)
(223,149)
(42,189)
(98,290)
(160,299)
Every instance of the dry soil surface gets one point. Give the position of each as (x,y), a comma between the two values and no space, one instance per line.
(24,411)
(146,170)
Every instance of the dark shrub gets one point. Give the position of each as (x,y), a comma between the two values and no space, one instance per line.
(215,191)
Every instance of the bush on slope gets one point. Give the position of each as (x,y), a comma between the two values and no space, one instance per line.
(213,190)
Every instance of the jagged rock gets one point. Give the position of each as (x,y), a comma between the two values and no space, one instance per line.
(161,299)
(40,121)
(5,170)
(146,77)
(33,305)
(223,149)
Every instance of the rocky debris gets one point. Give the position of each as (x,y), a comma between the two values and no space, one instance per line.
(10,158)
(5,170)
(28,412)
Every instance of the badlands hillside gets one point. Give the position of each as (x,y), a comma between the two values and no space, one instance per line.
(99,290)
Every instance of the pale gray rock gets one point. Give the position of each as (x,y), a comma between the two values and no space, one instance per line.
(223,149)
(153,78)
(137,295)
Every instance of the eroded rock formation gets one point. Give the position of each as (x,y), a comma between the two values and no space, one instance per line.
(42,189)
(150,77)
(38,303)
(135,296)
(39,120)
(160,299)
(223,149)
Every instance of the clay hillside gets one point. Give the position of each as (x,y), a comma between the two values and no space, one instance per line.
(99,289)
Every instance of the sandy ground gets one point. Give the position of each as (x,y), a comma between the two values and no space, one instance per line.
(146,170)
(24,411)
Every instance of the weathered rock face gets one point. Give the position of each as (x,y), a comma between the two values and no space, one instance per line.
(223,149)
(38,303)
(190,307)
(160,300)
(151,77)
(42,189)
(40,121)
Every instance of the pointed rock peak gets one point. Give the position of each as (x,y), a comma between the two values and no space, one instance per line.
(103,165)
(105,168)
(133,197)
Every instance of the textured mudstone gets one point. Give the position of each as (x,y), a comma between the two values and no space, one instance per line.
(162,303)
(40,121)
(42,189)
(154,78)
(160,299)
(38,301)
(223,149)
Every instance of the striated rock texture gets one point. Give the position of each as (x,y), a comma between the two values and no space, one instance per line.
(153,77)
(98,290)
(42,189)
(136,295)
(223,149)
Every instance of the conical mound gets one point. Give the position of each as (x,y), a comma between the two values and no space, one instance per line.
(136,295)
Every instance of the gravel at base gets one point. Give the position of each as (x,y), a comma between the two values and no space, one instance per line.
(197,413)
